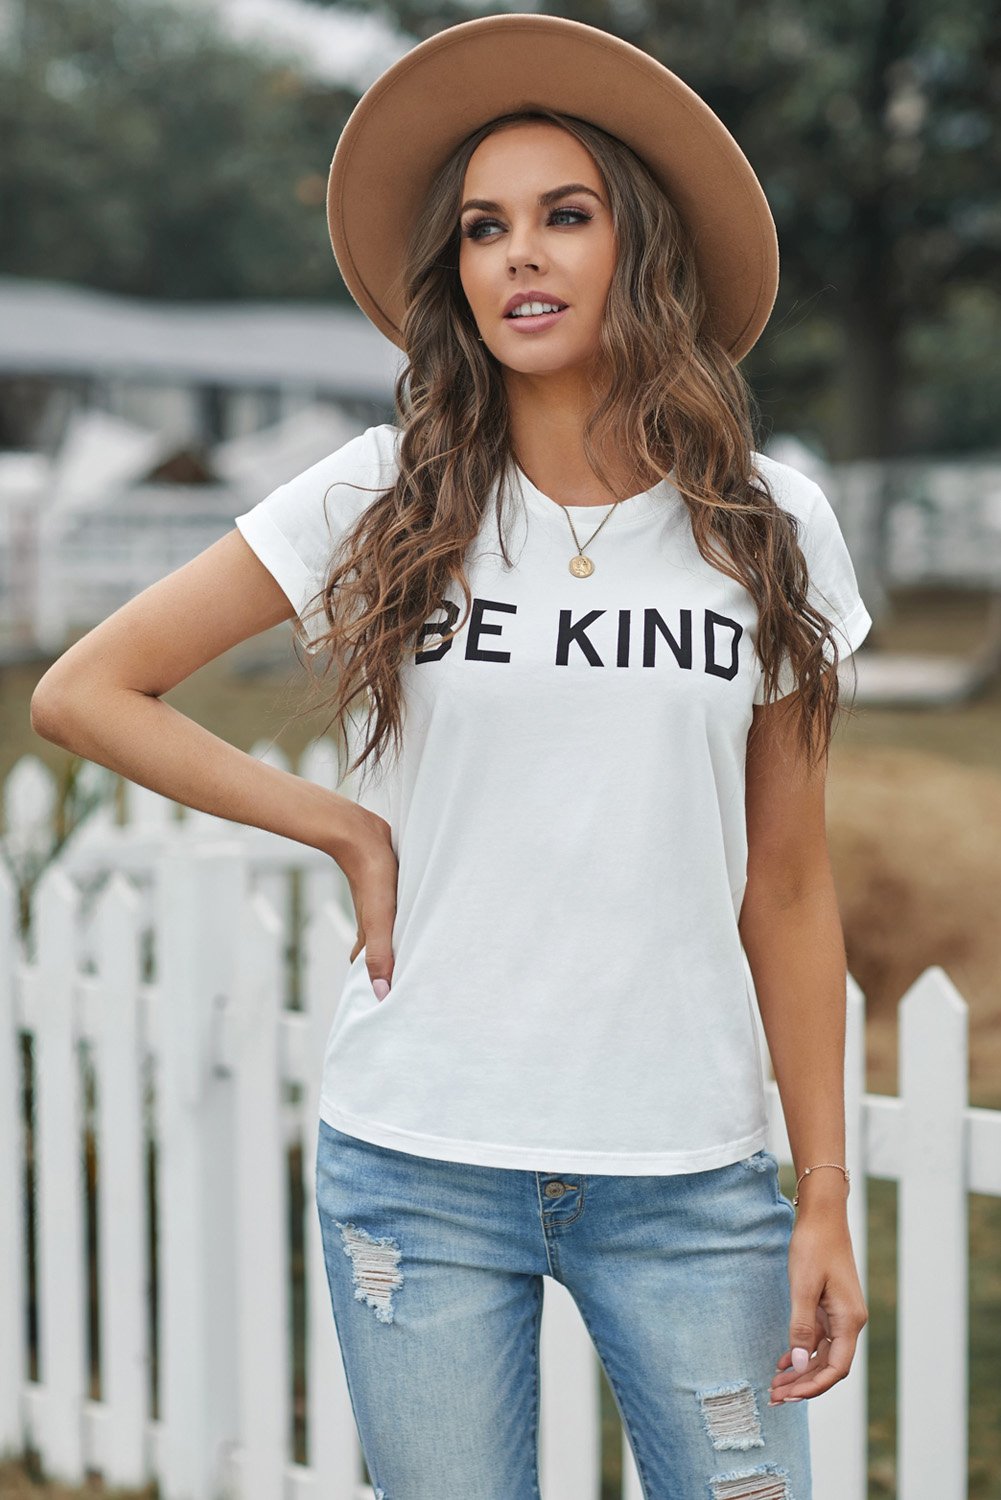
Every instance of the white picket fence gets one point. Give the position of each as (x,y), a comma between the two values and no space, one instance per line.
(166,952)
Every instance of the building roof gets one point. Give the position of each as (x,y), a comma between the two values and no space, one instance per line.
(55,328)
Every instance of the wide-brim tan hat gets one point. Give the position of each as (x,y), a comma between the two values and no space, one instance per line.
(418,111)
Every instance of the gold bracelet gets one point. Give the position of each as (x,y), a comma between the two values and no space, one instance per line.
(808,1170)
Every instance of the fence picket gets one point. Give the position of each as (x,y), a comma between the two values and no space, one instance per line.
(13,1224)
(59,1198)
(200,894)
(147,809)
(119,1056)
(331,1436)
(933,1242)
(260,1226)
(29,800)
(319,763)
(838,1423)
(569,1404)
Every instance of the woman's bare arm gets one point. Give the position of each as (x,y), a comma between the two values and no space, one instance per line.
(791,930)
(101,700)
(790,927)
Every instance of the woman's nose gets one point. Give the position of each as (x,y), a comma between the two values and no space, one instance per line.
(523,252)
(528,255)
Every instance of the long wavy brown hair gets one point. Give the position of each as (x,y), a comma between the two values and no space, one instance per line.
(674,397)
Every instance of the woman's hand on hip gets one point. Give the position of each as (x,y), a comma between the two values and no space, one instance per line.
(372,869)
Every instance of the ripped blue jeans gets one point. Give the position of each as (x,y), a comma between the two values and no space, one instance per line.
(435,1274)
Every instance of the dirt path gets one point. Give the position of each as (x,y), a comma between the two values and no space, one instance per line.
(916,847)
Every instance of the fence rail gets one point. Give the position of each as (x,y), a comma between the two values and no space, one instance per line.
(163,1013)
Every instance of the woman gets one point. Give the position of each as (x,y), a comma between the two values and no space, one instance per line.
(597,635)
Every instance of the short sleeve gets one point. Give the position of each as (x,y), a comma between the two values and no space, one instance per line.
(295,529)
(833,587)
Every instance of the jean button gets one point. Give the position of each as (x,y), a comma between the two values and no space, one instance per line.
(554,1189)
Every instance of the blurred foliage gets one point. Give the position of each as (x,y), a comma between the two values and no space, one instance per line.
(149,154)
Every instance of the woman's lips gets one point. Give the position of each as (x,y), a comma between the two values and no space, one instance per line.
(537,321)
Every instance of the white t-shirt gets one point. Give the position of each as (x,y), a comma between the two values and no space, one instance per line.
(570,990)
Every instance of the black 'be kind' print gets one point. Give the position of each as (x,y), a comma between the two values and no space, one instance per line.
(642,637)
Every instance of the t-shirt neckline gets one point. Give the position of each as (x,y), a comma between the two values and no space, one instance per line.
(661,501)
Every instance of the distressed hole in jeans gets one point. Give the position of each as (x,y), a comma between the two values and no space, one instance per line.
(766,1482)
(374,1268)
(759,1162)
(730,1416)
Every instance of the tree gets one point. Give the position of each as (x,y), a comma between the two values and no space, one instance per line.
(147,154)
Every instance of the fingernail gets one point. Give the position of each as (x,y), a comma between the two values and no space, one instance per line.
(789,1400)
(381,987)
(800,1359)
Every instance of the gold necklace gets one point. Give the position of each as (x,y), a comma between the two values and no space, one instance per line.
(581,566)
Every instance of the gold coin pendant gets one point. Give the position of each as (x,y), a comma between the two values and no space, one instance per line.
(581,566)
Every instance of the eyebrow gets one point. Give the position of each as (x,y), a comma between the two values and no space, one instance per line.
(544,198)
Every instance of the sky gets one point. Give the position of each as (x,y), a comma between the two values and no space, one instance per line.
(337,46)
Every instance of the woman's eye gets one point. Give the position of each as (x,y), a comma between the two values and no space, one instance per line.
(471,230)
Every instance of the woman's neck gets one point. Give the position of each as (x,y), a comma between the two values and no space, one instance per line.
(545,423)
(564,475)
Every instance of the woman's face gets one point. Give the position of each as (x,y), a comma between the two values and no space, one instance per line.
(564,249)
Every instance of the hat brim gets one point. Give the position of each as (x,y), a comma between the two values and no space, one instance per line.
(408,122)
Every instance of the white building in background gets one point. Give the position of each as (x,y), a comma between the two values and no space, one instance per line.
(84,530)
(195,372)
(135,431)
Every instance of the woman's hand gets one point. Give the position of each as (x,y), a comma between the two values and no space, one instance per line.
(371,869)
(828,1308)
